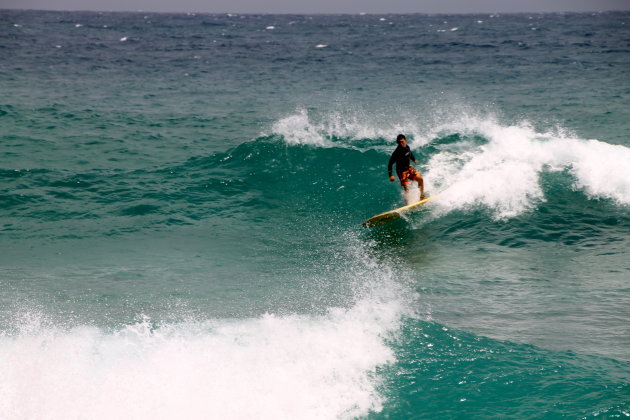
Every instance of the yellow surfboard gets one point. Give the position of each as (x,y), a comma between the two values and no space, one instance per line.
(390,216)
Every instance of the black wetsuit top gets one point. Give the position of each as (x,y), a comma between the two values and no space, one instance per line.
(402,157)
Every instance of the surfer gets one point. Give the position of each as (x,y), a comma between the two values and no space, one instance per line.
(402,157)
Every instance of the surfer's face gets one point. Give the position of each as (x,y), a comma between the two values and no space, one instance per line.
(403,142)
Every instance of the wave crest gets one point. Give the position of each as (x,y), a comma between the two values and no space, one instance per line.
(472,158)
(504,174)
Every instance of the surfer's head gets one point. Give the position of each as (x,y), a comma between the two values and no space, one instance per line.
(400,138)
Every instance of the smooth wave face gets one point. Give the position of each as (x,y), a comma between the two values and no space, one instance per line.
(181,199)
(472,373)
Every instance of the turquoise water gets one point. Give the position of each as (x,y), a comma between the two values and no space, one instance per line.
(181,207)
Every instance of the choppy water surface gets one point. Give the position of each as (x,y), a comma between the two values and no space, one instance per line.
(181,207)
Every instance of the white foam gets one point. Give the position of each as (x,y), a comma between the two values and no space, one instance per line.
(350,124)
(270,367)
(298,129)
(412,195)
(504,174)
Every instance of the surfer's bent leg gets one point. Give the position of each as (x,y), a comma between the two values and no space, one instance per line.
(417,176)
(420,185)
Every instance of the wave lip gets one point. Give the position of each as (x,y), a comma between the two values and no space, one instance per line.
(351,127)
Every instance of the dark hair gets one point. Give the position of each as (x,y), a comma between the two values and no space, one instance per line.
(400,137)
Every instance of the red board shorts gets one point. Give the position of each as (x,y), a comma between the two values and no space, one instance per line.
(409,175)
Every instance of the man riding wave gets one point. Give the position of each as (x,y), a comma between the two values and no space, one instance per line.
(402,157)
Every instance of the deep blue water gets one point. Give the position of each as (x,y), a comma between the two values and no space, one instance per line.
(181,201)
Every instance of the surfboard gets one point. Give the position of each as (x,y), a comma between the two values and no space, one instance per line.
(390,216)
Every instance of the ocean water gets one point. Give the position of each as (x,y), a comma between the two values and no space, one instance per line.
(181,201)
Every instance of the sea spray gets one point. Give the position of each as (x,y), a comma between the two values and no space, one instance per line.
(475,159)
(283,367)
(504,173)
(272,366)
